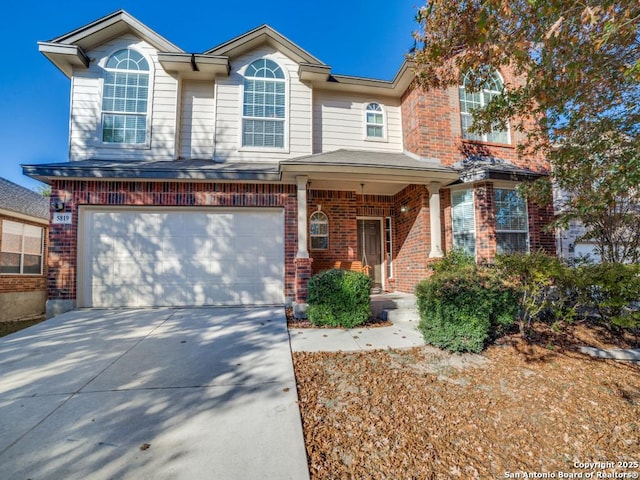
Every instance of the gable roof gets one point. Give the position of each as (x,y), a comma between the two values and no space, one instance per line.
(69,50)
(261,35)
(17,199)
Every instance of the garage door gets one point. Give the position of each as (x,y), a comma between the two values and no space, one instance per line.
(180,257)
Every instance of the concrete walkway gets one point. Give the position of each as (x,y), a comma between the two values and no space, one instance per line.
(402,334)
(154,393)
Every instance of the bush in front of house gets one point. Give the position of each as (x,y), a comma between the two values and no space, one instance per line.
(339,298)
(464,305)
(546,287)
(552,291)
(612,290)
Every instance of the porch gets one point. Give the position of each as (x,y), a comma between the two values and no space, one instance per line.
(367,211)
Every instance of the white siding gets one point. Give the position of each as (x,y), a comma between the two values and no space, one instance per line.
(339,122)
(228,146)
(197,120)
(85,138)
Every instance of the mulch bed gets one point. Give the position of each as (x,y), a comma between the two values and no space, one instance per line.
(522,406)
(14,326)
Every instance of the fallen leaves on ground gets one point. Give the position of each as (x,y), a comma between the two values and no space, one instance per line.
(423,413)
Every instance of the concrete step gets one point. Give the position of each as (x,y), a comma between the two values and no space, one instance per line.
(391,301)
(401,315)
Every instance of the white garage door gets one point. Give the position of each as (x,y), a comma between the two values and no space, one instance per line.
(180,257)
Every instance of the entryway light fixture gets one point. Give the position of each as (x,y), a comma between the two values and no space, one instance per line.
(57,205)
(404,209)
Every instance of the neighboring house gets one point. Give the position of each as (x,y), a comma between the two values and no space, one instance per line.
(228,177)
(573,246)
(24,221)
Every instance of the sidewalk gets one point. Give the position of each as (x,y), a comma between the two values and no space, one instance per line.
(400,335)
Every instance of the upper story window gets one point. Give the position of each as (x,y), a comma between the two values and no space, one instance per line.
(21,252)
(469,101)
(263,108)
(512,224)
(125,98)
(463,219)
(374,121)
(319,231)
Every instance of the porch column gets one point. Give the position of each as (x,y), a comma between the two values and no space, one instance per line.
(301,182)
(302,261)
(434,217)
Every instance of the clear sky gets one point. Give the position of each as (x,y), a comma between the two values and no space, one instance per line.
(356,37)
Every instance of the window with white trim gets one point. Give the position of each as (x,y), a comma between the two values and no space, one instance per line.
(319,231)
(472,100)
(22,247)
(264,105)
(512,223)
(125,98)
(374,121)
(463,220)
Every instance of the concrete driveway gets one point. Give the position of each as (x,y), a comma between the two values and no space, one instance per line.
(151,394)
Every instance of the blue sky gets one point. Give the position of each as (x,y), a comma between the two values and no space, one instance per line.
(356,37)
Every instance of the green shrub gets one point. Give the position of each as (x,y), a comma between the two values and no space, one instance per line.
(454,260)
(545,286)
(339,298)
(460,308)
(611,289)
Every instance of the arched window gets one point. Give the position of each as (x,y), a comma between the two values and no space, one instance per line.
(470,101)
(319,231)
(374,121)
(125,98)
(263,108)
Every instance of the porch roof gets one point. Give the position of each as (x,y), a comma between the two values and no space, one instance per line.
(181,170)
(380,172)
(481,167)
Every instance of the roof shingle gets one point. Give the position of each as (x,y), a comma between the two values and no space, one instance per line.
(21,200)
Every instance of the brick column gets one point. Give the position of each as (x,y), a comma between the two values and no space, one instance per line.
(303,274)
(485,222)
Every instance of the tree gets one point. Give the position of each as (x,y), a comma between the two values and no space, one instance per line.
(44,190)
(576,100)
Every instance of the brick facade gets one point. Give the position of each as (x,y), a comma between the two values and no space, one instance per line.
(63,252)
(432,128)
(341,210)
(412,237)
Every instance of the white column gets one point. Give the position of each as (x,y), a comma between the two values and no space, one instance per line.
(301,182)
(434,217)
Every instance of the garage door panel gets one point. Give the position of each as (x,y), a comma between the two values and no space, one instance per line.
(182,258)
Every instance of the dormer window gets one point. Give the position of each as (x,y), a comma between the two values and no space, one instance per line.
(263,108)
(472,100)
(374,121)
(125,98)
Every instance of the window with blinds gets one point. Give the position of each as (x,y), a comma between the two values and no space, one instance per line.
(512,225)
(21,252)
(263,108)
(463,221)
(125,98)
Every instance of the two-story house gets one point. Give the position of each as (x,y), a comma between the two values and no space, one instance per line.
(228,177)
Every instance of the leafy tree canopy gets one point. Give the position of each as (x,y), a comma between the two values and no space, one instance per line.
(576,97)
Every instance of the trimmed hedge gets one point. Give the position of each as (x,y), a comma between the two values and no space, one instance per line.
(463,306)
(339,298)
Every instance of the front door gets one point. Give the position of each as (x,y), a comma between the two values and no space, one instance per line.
(370,249)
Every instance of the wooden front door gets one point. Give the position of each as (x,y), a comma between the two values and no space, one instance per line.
(370,249)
